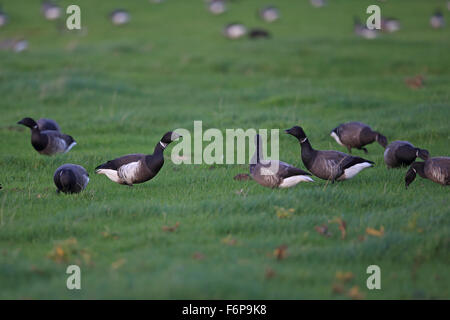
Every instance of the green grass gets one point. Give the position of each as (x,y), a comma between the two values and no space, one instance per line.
(118,89)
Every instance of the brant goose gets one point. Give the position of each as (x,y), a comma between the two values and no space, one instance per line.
(274,173)
(390,25)
(119,17)
(318,3)
(357,135)
(48,124)
(402,153)
(269,14)
(328,165)
(435,169)
(71,178)
(48,142)
(361,30)
(137,168)
(217,6)
(437,20)
(234,31)
(3,18)
(50,10)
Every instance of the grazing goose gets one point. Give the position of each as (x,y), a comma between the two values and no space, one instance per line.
(234,31)
(402,153)
(217,6)
(137,168)
(357,135)
(437,20)
(48,142)
(119,17)
(274,173)
(328,165)
(50,10)
(269,14)
(3,18)
(48,124)
(71,178)
(390,25)
(435,169)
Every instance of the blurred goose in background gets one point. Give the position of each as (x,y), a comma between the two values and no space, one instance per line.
(234,31)
(258,33)
(318,3)
(156,1)
(448,5)
(50,10)
(361,30)
(403,153)
(390,25)
(269,14)
(48,142)
(357,135)
(16,45)
(3,18)
(437,20)
(48,124)
(435,169)
(71,178)
(217,6)
(274,173)
(119,17)
(137,168)
(328,165)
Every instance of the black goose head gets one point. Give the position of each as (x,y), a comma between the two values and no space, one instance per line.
(416,167)
(382,140)
(422,153)
(28,122)
(169,137)
(297,132)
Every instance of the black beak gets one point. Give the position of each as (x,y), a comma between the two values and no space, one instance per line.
(287,130)
(20,122)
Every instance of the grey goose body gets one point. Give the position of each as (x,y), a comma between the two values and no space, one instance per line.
(328,164)
(357,135)
(71,178)
(403,153)
(137,168)
(436,169)
(48,142)
(275,173)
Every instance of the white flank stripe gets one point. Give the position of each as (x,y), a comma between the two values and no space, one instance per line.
(111,174)
(335,136)
(128,171)
(73,144)
(292,181)
(354,170)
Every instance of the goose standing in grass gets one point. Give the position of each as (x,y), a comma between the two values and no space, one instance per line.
(361,30)
(71,178)
(435,169)
(403,153)
(437,20)
(3,18)
(234,31)
(48,142)
(119,17)
(50,10)
(357,135)
(269,14)
(274,173)
(217,6)
(137,168)
(328,165)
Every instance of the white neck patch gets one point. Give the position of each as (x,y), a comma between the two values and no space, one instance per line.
(303,140)
(163,145)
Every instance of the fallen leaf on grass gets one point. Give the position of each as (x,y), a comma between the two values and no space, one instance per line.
(198,256)
(68,251)
(269,274)
(415,82)
(107,234)
(337,288)
(280,252)
(375,232)
(355,294)
(172,228)
(323,230)
(241,177)
(342,226)
(229,240)
(283,213)
(344,276)
(117,264)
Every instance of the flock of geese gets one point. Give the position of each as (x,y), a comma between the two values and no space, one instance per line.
(330,165)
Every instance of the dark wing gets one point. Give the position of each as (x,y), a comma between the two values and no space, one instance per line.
(350,161)
(286,170)
(58,135)
(117,163)
(48,124)
(405,153)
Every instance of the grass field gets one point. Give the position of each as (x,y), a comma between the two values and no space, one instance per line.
(117,90)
